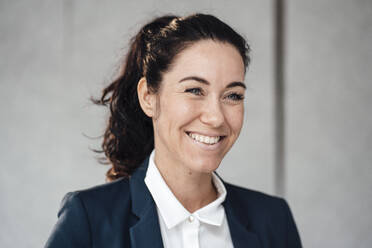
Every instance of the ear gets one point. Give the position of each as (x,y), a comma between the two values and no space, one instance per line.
(146,99)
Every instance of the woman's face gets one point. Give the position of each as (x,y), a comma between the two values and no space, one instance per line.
(199,107)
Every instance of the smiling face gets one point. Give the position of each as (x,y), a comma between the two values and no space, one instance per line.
(199,107)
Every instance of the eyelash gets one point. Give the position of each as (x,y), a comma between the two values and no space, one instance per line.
(233,96)
(192,91)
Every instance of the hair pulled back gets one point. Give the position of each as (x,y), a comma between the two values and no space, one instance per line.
(129,137)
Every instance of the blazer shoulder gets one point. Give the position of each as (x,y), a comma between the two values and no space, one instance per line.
(86,215)
(255,204)
(105,188)
(250,195)
(104,194)
(264,213)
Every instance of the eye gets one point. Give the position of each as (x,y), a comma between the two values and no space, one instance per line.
(194,91)
(235,97)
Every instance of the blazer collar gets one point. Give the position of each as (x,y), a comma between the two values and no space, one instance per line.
(146,232)
(240,233)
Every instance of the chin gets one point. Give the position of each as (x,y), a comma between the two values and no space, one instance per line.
(204,165)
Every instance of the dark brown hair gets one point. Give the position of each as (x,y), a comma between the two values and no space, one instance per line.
(129,137)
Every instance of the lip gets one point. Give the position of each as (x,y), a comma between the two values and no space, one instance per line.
(206,147)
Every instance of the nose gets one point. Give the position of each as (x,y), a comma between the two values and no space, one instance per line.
(212,114)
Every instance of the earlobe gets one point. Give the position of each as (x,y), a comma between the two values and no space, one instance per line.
(146,98)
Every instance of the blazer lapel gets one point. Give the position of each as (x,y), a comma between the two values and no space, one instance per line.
(240,234)
(146,232)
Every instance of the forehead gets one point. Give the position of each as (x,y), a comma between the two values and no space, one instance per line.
(218,62)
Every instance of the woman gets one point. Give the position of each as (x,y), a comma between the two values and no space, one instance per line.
(176,110)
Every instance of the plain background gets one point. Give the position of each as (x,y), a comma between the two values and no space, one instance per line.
(56,54)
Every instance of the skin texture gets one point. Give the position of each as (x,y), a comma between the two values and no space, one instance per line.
(211,108)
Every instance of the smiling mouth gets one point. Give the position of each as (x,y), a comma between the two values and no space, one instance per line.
(208,140)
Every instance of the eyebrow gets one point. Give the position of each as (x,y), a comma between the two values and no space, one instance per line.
(203,81)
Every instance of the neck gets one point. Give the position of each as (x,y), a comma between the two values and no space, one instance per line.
(193,190)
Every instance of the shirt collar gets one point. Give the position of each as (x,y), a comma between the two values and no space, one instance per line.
(171,209)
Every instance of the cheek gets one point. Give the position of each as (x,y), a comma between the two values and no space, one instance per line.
(234,117)
(177,111)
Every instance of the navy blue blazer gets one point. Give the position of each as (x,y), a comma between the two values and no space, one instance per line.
(123,214)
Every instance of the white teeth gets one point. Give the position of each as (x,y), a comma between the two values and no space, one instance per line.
(205,139)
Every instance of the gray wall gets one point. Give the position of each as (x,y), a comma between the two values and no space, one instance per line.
(56,54)
(329,100)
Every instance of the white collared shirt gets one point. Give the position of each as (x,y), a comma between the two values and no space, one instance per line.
(206,227)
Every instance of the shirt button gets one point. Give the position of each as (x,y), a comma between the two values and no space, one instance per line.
(191,218)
